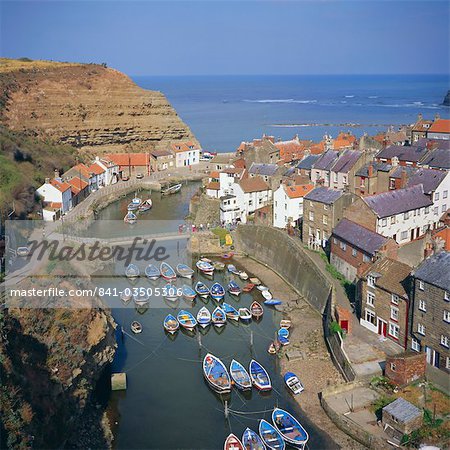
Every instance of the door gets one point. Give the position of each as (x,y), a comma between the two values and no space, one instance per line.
(412,234)
(382,327)
(344,325)
(432,357)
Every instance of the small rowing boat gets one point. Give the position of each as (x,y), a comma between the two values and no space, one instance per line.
(205,267)
(171,189)
(255,281)
(245,315)
(171,324)
(285,323)
(248,287)
(130,218)
(201,289)
(186,320)
(260,377)
(145,205)
(167,271)
(273,302)
(232,443)
(289,427)
(204,317)
(233,288)
(227,255)
(152,272)
(274,347)
(293,383)
(232,269)
(134,204)
(261,287)
(240,376)
(170,292)
(216,374)
(218,265)
(219,317)
(252,441)
(231,312)
(217,291)
(271,436)
(136,327)
(132,271)
(256,310)
(188,292)
(243,275)
(126,296)
(141,298)
(283,336)
(267,295)
(184,271)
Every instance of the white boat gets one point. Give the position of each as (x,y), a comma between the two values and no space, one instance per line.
(130,218)
(184,271)
(262,287)
(243,275)
(141,298)
(290,428)
(204,317)
(145,205)
(171,189)
(152,272)
(293,383)
(216,374)
(126,296)
(205,267)
(132,271)
(285,323)
(267,295)
(136,327)
(244,314)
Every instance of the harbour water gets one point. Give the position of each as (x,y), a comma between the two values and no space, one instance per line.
(167,404)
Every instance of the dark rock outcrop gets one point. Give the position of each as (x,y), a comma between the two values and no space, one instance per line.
(446,101)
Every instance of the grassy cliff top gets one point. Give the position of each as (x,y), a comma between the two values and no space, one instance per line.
(11,65)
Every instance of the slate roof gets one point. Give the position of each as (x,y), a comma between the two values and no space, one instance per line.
(358,236)
(263,169)
(377,166)
(395,202)
(430,178)
(402,410)
(324,195)
(326,160)
(397,173)
(410,153)
(161,153)
(435,270)
(346,161)
(308,162)
(438,158)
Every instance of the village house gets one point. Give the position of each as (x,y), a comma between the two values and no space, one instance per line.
(430,326)
(111,170)
(288,204)
(80,190)
(305,166)
(344,141)
(401,417)
(292,150)
(212,187)
(403,214)
(420,129)
(100,175)
(440,129)
(353,248)
(383,300)
(265,171)
(320,173)
(438,156)
(221,161)
(405,155)
(162,160)
(82,171)
(342,172)
(323,208)
(186,153)
(259,150)
(372,178)
(56,196)
(131,163)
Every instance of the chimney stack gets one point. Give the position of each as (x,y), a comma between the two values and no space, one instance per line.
(403,179)
(370,171)
(437,116)
(419,116)
(56,173)
(47,180)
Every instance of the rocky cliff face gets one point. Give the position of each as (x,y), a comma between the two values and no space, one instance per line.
(88,106)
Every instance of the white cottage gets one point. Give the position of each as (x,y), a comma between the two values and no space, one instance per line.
(288,204)
(56,196)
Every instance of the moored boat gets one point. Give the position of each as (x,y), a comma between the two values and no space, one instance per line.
(240,376)
(255,281)
(205,267)
(141,298)
(261,287)
(248,287)
(132,207)
(126,296)
(216,374)
(283,336)
(145,205)
(232,269)
(285,323)
(252,440)
(260,377)
(218,265)
(233,288)
(217,292)
(167,271)
(188,292)
(201,289)
(233,443)
(171,324)
(257,310)
(266,294)
(271,436)
(136,327)
(130,218)
(293,383)
(218,317)
(244,314)
(273,302)
(186,320)
(289,427)
(184,271)
(243,275)
(204,317)
(152,272)
(170,292)
(231,312)
(227,255)
(172,189)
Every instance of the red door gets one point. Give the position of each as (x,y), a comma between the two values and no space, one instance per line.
(344,325)
(382,327)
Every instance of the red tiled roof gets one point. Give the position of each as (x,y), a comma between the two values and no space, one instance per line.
(77,185)
(213,186)
(440,126)
(343,140)
(233,170)
(54,205)
(83,170)
(253,184)
(179,147)
(60,185)
(95,168)
(298,191)
(317,149)
(444,234)
(292,150)
(240,163)
(214,174)
(130,159)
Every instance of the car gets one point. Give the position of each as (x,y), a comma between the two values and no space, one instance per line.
(139,176)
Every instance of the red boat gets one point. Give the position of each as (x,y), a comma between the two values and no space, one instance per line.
(257,310)
(227,255)
(233,443)
(248,287)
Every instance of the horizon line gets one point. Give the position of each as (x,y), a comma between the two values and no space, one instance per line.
(284,74)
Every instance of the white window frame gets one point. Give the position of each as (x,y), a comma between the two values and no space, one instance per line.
(415,345)
(395,299)
(447,296)
(446,316)
(394,330)
(422,305)
(371,280)
(370,298)
(444,341)
(368,313)
(394,313)
(421,329)
(421,285)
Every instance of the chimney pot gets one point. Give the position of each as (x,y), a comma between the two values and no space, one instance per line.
(370,170)
(47,180)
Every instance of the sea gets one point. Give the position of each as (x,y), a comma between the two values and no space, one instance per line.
(223,111)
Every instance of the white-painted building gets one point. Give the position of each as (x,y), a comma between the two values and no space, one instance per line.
(220,183)
(288,204)
(186,154)
(56,196)
(111,174)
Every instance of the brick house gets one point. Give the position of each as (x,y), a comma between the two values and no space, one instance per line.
(353,248)
(305,166)
(405,368)
(420,128)
(162,159)
(430,325)
(342,173)
(320,172)
(323,208)
(132,163)
(372,178)
(383,301)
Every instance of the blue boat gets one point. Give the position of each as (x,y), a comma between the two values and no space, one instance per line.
(240,376)
(204,317)
(205,267)
(232,269)
(201,289)
(233,288)
(186,320)
(273,302)
(171,324)
(167,271)
(219,318)
(217,291)
(290,428)
(216,374)
(293,383)
(170,292)
(252,441)
(184,271)
(260,377)
(270,436)
(188,292)
(231,312)
(152,272)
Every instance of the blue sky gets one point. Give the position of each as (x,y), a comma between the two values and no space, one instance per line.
(232,37)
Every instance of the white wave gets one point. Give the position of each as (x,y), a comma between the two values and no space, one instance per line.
(373,96)
(281,100)
(348,96)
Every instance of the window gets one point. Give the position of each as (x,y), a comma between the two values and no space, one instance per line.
(447,296)
(421,285)
(436,196)
(371,281)
(427,210)
(445,194)
(421,329)
(393,367)
(354,252)
(392,220)
(334,241)
(436,210)
(325,207)
(366,258)
(415,345)
(383,222)
(404,235)
(394,313)
(444,208)
(406,215)
(343,246)
(370,298)
(325,220)
(391,183)
(311,216)
(394,330)
(422,305)
(447,363)
(394,299)
(444,340)
(446,316)
(370,317)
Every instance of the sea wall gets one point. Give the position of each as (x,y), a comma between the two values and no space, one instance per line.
(288,258)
